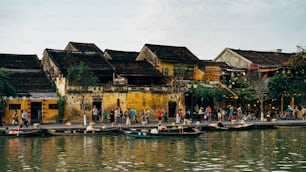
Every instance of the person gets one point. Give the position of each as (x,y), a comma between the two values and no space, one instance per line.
(219,115)
(159,115)
(143,117)
(231,113)
(15,118)
(128,117)
(208,113)
(95,113)
(133,114)
(104,119)
(201,113)
(112,116)
(179,116)
(147,116)
(24,117)
(165,115)
(119,117)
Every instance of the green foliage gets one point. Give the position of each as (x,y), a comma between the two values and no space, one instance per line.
(211,93)
(279,86)
(182,72)
(6,89)
(61,107)
(81,75)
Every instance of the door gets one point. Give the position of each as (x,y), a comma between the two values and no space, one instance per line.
(172,109)
(36,115)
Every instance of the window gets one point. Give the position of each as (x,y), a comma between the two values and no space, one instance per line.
(14,106)
(53,106)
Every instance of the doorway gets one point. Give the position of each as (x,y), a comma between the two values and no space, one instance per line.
(172,109)
(36,113)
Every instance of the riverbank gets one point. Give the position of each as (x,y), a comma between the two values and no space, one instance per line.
(202,126)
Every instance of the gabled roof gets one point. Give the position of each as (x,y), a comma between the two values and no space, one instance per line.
(83,47)
(121,55)
(26,82)
(213,63)
(125,64)
(26,73)
(172,54)
(64,59)
(19,61)
(264,57)
(135,68)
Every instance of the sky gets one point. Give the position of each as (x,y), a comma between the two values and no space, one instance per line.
(205,27)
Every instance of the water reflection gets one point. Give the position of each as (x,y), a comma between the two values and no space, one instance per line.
(268,150)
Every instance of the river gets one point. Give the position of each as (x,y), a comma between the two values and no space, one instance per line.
(275,150)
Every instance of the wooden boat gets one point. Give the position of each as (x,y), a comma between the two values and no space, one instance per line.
(156,133)
(17,132)
(230,127)
(80,132)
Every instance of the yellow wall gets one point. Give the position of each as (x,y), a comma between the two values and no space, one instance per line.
(48,115)
(137,100)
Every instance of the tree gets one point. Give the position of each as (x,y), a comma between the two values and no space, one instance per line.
(255,83)
(82,77)
(6,89)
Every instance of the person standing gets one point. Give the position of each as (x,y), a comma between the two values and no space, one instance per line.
(133,114)
(24,118)
(15,118)
(128,117)
(95,114)
(159,115)
(147,115)
(165,115)
(179,116)
(112,116)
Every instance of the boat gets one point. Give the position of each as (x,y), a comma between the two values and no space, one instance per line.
(156,133)
(231,127)
(17,132)
(80,132)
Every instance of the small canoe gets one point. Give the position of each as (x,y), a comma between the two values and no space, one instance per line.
(155,133)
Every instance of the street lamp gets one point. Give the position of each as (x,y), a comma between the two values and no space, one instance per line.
(192,87)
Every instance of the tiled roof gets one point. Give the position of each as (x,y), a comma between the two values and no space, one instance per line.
(26,82)
(135,68)
(121,55)
(83,47)
(26,73)
(64,59)
(172,54)
(203,63)
(17,61)
(125,64)
(263,57)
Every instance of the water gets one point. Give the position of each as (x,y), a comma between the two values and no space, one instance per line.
(268,150)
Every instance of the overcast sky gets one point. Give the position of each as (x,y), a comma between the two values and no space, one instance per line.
(205,27)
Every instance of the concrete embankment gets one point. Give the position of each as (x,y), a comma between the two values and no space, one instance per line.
(202,125)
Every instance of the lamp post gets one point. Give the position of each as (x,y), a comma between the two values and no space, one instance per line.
(192,88)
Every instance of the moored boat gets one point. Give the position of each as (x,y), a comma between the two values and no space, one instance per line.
(230,127)
(156,133)
(80,132)
(18,132)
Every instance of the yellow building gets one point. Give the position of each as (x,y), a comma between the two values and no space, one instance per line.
(35,92)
